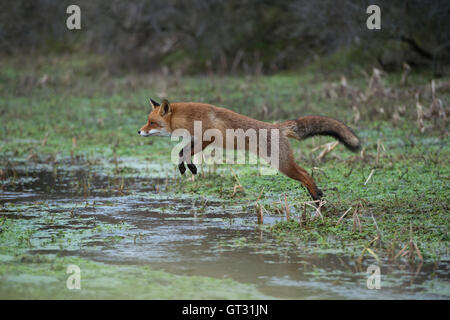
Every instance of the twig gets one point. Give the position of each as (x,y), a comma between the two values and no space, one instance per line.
(236,188)
(369,177)
(366,248)
(303,216)
(401,251)
(327,149)
(356,220)
(342,217)
(44,142)
(379,147)
(238,185)
(419,254)
(288,216)
(376,226)
(320,204)
(260,213)
(260,194)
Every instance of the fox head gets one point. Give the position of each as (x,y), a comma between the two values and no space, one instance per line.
(158,120)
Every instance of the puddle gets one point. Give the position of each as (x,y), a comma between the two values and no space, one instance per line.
(82,211)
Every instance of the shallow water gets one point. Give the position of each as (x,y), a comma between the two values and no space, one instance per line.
(187,236)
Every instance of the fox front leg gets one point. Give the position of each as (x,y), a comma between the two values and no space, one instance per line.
(182,167)
(190,150)
(192,167)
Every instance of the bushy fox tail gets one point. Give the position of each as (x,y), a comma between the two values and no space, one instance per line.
(309,126)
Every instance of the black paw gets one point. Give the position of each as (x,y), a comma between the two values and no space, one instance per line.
(182,168)
(193,168)
(319,193)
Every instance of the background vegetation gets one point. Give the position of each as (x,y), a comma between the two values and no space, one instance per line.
(250,36)
(75,99)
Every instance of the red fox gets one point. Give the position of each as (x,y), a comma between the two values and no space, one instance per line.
(167,117)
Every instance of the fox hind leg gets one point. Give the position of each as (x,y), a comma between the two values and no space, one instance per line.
(294,171)
(300,174)
(192,168)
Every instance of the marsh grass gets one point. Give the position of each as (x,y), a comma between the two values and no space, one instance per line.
(397,186)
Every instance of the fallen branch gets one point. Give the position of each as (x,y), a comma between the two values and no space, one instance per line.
(288,212)
(260,213)
(361,257)
(327,149)
(369,177)
(342,217)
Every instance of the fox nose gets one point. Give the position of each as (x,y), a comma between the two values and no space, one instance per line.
(139,132)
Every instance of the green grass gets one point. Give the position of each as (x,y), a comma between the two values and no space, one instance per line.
(409,186)
(68,105)
(44,277)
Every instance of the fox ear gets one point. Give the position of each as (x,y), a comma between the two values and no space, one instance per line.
(154,104)
(165,108)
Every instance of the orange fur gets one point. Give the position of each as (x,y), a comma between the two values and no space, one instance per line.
(181,115)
